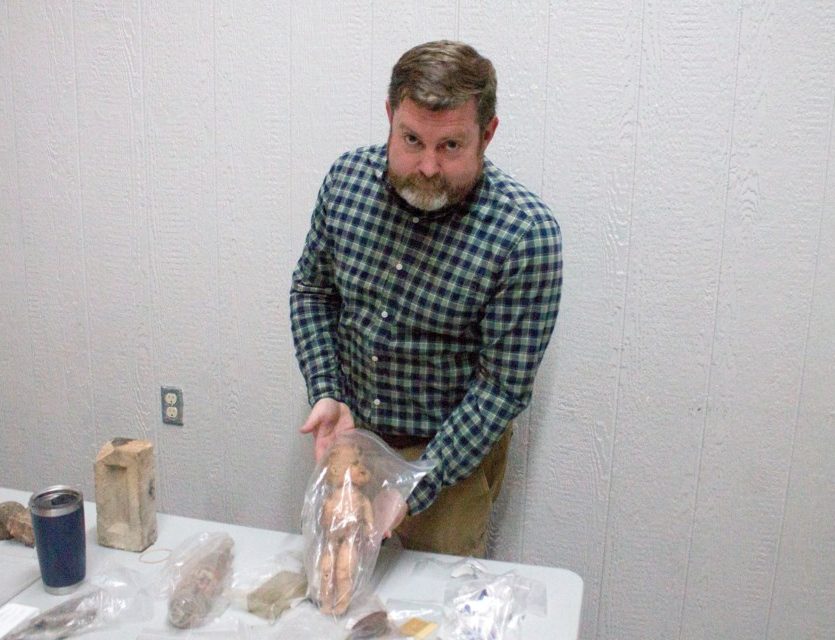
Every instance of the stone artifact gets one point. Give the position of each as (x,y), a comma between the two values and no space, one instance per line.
(374,625)
(347,523)
(276,595)
(126,512)
(16,523)
(202,578)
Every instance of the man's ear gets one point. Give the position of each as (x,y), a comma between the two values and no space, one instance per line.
(489,131)
(389,112)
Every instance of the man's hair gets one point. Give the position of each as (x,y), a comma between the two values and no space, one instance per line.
(444,75)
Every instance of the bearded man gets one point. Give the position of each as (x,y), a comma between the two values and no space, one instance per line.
(426,294)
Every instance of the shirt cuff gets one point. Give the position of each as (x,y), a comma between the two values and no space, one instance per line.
(424,494)
(323,387)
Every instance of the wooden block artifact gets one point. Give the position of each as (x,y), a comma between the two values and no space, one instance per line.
(126,511)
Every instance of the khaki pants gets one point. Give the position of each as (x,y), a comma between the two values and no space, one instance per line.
(457,521)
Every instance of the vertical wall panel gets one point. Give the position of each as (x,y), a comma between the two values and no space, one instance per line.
(779,154)
(685,111)
(331,113)
(16,367)
(113,195)
(59,441)
(254,163)
(589,146)
(804,590)
(397,27)
(178,89)
(331,88)
(518,149)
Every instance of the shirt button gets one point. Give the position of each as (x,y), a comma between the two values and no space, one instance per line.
(399,266)
(385,314)
(376,402)
(415,219)
(374,358)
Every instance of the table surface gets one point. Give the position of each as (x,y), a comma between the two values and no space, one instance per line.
(399,575)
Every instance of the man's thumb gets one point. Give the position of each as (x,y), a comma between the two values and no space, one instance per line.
(308,427)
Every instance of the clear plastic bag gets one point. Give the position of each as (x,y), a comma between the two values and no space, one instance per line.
(118,598)
(414,619)
(368,619)
(479,604)
(219,630)
(479,609)
(352,497)
(305,621)
(491,607)
(196,575)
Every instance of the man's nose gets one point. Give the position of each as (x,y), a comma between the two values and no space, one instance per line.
(428,165)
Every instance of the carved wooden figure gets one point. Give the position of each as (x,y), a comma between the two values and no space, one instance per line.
(347,522)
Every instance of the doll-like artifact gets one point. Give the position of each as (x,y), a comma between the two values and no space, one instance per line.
(347,523)
(200,571)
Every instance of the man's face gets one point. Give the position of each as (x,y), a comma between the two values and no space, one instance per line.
(435,157)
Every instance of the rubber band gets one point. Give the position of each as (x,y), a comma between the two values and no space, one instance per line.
(157,550)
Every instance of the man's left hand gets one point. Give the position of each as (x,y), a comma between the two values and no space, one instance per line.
(389,511)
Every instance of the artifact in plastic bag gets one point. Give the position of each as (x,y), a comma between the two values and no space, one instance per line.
(61,621)
(16,523)
(374,625)
(347,521)
(489,608)
(415,619)
(118,598)
(276,595)
(199,571)
(270,589)
(341,527)
(418,628)
(480,613)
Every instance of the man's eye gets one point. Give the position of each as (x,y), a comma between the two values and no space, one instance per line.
(410,139)
(452,145)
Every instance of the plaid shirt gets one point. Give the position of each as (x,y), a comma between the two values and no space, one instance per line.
(426,323)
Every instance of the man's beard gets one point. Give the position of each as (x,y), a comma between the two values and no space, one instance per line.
(429,194)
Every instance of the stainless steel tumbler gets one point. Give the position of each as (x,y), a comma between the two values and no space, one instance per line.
(58,523)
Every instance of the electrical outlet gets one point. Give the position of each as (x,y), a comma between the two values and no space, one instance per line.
(172,405)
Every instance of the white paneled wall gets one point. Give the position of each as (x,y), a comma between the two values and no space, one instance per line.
(158,164)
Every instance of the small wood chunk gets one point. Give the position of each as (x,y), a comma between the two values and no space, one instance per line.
(417,628)
(20,526)
(16,523)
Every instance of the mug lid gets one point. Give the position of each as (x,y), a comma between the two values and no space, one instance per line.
(55,501)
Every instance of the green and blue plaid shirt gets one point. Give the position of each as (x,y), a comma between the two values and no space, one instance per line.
(426,323)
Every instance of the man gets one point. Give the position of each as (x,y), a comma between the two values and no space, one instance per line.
(426,294)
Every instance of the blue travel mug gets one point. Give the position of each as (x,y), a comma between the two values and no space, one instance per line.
(58,523)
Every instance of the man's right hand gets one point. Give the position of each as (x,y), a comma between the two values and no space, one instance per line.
(327,419)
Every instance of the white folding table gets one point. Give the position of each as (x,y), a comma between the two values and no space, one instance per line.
(395,579)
